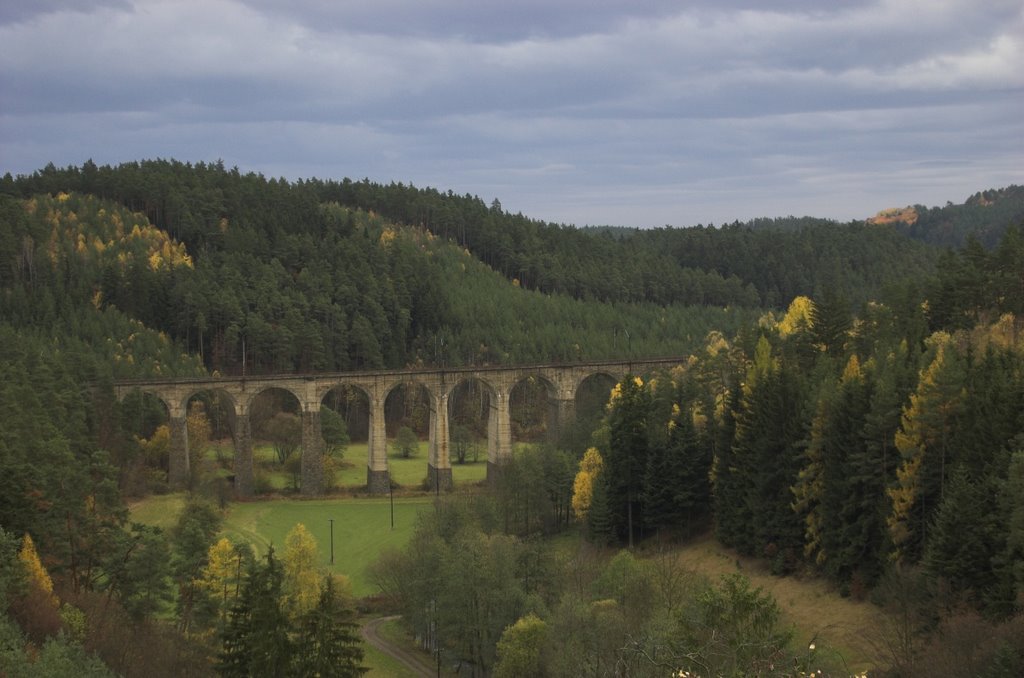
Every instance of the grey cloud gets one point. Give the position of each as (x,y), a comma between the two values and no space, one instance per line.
(499,21)
(640,113)
(28,10)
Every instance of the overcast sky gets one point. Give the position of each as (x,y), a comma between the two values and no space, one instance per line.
(628,112)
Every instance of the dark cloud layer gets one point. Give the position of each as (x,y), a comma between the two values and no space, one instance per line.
(637,113)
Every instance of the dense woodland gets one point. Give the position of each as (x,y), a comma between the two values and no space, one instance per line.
(867,449)
(852,406)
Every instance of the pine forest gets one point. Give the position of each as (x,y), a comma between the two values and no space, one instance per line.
(847,408)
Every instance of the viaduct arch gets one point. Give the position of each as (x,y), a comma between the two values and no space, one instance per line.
(310,390)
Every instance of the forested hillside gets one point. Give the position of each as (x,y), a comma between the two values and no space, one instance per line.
(867,448)
(738,265)
(851,406)
(984,216)
(347,291)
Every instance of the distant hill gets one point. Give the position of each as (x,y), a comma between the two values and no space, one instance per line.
(985,215)
(762,263)
(268,281)
(335,274)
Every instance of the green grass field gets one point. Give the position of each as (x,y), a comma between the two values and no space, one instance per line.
(362,527)
(406,472)
(409,473)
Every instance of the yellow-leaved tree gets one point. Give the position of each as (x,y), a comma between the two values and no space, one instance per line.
(155,449)
(36,575)
(302,576)
(220,577)
(923,441)
(583,485)
(798,317)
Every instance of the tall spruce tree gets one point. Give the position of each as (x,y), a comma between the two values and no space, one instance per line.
(1009,563)
(964,536)
(600,528)
(676,492)
(327,642)
(769,428)
(850,529)
(830,322)
(626,461)
(726,484)
(256,639)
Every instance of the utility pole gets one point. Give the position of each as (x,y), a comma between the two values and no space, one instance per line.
(332,539)
(391,493)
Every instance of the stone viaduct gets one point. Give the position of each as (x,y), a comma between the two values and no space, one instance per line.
(561,381)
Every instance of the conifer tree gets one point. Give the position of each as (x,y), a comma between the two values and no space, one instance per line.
(600,529)
(676,492)
(964,536)
(658,492)
(191,539)
(726,484)
(809,489)
(626,461)
(256,639)
(830,321)
(138,569)
(924,442)
(327,642)
(1008,593)
(767,461)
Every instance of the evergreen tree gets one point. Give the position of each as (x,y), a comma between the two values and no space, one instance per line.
(138,569)
(1008,593)
(963,538)
(256,639)
(769,427)
(727,484)
(327,642)
(849,529)
(732,630)
(626,461)
(659,487)
(830,322)
(600,529)
(676,492)
(191,540)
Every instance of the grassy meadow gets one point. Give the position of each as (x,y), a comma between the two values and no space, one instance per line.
(409,473)
(362,527)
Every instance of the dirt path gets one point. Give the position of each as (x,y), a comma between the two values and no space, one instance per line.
(412,659)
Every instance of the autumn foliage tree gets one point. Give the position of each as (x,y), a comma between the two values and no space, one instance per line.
(583,485)
(300,585)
